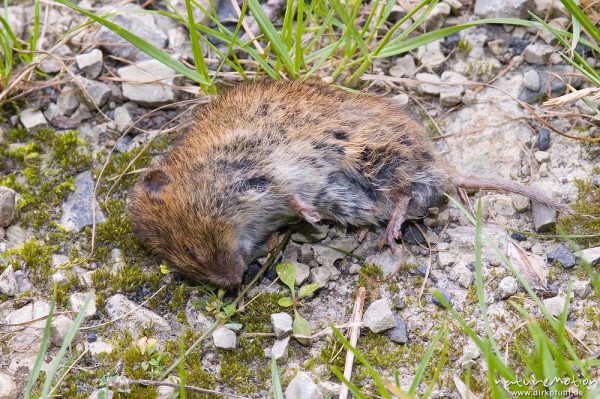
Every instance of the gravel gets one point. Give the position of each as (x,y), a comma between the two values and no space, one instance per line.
(562,255)
(33,119)
(7,206)
(282,324)
(76,209)
(591,256)
(507,287)
(398,333)
(90,63)
(303,386)
(544,217)
(224,338)
(148,83)
(379,316)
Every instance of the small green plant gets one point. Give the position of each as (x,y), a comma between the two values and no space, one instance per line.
(287,274)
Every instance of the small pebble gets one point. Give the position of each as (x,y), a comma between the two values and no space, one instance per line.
(446,296)
(507,287)
(379,316)
(555,305)
(398,334)
(224,338)
(518,236)
(562,255)
(543,143)
(282,324)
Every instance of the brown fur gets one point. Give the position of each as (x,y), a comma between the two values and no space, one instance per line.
(263,154)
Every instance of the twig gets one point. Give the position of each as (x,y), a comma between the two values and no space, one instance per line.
(188,387)
(353,338)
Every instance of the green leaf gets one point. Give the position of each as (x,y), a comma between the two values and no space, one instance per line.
(301,326)
(275,381)
(229,310)
(285,302)
(287,273)
(164,269)
(233,326)
(308,289)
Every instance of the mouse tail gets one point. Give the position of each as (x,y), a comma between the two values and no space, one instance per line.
(507,186)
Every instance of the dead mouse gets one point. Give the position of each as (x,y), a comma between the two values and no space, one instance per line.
(261,155)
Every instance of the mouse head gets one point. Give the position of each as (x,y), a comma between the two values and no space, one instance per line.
(185,223)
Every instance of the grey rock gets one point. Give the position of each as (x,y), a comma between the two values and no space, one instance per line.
(303,386)
(53,65)
(23,281)
(77,300)
(379,316)
(501,8)
(305,253)
(77,209)
(52,112)
(431,55)
(531,80)
(329,389)
(507,287)
(556,8)
(8,282)
(224,338)
(398,334)
(428,84)
(279,350)
(520,203)
(7,206)
(544,218)
(538,53)
(90,63)
(401,99)
(118,306)
(302,273)
(446,296)
(320,275)
(326,255)
(403,67)
(543,143)
(562,255)
(582,288)
(591,256)
(15,235)
(8,388)
(122,118)
(386,260)
(141,24)
(102,393)
(60,328)
(67,101)
(437,16)
(282,324)
(92,92)
(308,233)
(451,94)
(33,119)
(148,82)
(99,347)
(196,319)
(199,16)
(445,258)
(555,305)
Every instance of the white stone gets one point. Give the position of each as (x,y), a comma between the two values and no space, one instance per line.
(77,209)
(282,324)
(428,83)
(16,235)
(387,261)
(531,80)
(90,63)
(122,118)
(452,94)
(28,338)
(33,119)
(590,255)
(148,82)
(7,206)
(102,393)
(302,273)
(279,351)
(99,347)
(93,93)
(77,300)
(555,305)
(329,389)
(61,326)
(507,287)
(445,258)
(303,386)
(129,316)
(437,16)
(8,282)
(431,55)
(520,203)
(224,338)
(8,388)
(582,288)
(320,275)
(379,317)
(538,53)
(404,67)
(542,156)
(501,8)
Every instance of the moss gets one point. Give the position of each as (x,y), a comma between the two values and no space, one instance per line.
(370,277)
(36,257)
(16,134)
(70,152)
(257,315)
(586,217)
(246,370)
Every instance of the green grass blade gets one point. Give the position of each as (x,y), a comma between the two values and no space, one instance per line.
(425,362)
(181,370)
(275,380)
(33,39)
(348,24)
(583,19)
(196,48)
(37,366)
(141,44)
(272,36)
(63,349)
(299,56)
(351,387)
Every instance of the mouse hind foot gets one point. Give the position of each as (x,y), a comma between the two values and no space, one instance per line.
(393,232)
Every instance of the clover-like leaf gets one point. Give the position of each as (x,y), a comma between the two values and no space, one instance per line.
(229,310)
(287,273)
(301,326)
(286,302)
(307,289)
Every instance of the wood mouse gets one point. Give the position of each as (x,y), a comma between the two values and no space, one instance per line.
(261,155)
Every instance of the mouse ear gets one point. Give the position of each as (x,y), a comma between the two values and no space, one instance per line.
(155,181)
